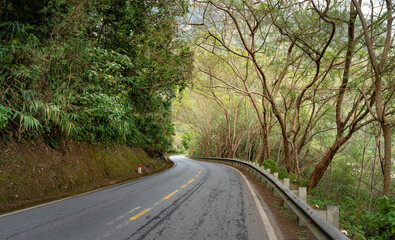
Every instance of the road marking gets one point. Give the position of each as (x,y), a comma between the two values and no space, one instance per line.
(119,218)
(265,219)
(184,185)
(171,194)
(197,176)
(140,214)
(191,180)
(200,172)
(82,194)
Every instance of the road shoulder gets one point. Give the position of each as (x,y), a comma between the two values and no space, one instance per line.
(286,226)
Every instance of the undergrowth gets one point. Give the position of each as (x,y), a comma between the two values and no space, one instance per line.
(360,217)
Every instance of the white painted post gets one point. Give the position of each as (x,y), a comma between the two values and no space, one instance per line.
(332,215)
(139,169)
(302,195)
(286,183)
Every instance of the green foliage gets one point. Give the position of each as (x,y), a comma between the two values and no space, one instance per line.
(359,223)
(5,116)
(186,140)
(269,163)
(282,171)
(381,223)
(102,72)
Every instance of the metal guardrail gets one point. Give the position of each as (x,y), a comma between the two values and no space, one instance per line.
(319,226)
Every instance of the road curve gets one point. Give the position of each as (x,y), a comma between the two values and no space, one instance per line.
(193,200)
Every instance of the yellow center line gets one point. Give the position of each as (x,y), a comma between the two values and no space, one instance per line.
(197,176)
(191,180)
(171,194)
(184,185)
(140,214)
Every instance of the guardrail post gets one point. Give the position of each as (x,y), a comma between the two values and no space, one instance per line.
(286,185)
(267,183)
(302,195)
(332,215)
(262,179)
(286,182)
(275,175)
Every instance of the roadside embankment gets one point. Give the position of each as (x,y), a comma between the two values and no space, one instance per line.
(32,173)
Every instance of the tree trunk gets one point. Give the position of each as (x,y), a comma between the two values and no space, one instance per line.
(362,168)
(286,153)
(324,163)
(258,154)
(387,159)
(266,136)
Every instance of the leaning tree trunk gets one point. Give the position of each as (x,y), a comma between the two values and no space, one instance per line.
(320,169)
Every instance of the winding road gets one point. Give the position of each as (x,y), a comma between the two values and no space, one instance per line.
(192,200)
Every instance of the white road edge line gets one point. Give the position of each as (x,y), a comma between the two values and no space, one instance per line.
(85,193)
(52,202)
(265,219)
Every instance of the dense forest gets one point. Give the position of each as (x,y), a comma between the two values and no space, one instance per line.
(305,87)
(95,71)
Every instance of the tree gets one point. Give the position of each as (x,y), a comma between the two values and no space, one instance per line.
(380,64)
(290,60)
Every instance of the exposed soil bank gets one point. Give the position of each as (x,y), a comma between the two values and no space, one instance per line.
(32,173)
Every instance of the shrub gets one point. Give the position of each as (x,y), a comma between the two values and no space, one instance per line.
(381,223)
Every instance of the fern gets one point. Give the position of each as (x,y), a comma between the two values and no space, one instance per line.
(5,116)
(27,121)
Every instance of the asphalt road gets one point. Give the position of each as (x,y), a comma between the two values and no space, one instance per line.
(193,200)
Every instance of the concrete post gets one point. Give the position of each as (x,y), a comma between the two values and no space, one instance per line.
(302,195)
(332,215)
(262,179)
(275,175)
(286,182)
(268,170)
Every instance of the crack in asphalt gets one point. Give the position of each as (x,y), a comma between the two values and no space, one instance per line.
(166,213)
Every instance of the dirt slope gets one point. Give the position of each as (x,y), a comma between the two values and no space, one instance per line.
(32,172)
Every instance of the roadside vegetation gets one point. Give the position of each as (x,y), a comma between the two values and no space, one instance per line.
(92,71)
(85,93)
(306,87)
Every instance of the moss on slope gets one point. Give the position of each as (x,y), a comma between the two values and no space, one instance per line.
(32,173)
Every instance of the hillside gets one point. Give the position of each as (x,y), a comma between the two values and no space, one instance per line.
(32,172)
